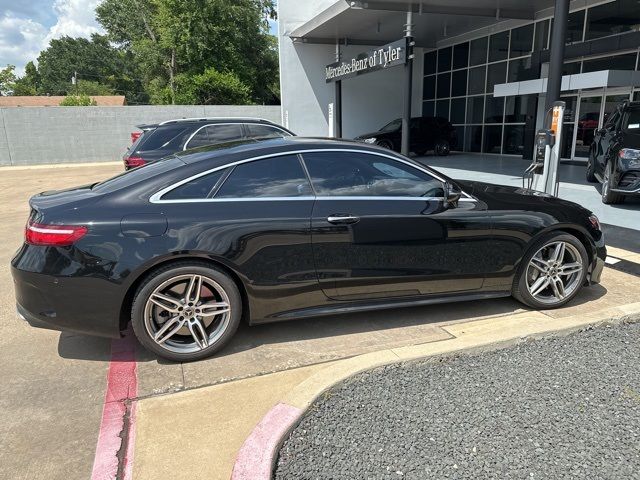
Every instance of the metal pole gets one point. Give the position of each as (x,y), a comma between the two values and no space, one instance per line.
(337,107)
(556,60)
(408,85)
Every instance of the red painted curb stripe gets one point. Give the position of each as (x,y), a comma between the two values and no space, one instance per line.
(257,455)
(122,384)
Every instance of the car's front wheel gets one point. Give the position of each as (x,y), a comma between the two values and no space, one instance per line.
(186,311)
(385,144)
(609,197)
(442,148)
(552,272)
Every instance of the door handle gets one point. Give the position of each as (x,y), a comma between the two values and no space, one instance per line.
(340,219)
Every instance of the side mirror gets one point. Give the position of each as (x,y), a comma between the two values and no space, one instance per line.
(452,194)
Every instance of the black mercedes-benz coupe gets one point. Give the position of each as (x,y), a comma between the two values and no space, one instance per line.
(187,246)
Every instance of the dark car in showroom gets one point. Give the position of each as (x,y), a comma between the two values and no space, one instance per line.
(162,139)
(186,247)
(427,134)
(614,158)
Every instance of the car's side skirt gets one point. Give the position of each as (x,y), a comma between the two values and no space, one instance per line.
(353,307)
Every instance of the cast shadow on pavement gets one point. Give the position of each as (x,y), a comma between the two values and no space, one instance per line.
(247,338)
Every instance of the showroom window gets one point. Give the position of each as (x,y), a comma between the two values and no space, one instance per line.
(359,174)
(444,59)
(459,79)
(499,46)
(521,41)
(617,62)
(272,177)
(478,52)
(613,18)
(461,55)
(541,38)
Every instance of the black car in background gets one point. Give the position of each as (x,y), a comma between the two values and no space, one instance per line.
(427,133)
(187,246)
(614,158)
(166,138)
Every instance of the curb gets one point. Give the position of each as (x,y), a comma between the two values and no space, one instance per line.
(257,457)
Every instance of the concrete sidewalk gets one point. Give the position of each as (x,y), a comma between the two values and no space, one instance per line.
(204,428)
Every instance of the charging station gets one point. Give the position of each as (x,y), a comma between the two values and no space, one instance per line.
(543,172)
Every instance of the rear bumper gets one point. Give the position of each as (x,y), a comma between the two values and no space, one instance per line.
(77,304)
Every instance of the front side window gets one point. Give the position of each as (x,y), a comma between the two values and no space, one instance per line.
(632,120)
(366,175)
(272,177)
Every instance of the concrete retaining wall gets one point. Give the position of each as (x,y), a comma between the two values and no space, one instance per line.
(46,135)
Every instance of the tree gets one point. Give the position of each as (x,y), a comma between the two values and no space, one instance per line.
(29,84)
(101,67)
(78,101)
(88,87)
(175,37)
(211,88)
(7,79)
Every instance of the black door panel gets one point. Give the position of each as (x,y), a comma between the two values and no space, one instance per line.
(400,247)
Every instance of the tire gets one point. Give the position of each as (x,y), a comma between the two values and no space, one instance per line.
(385,144)
(190,332)
(591,169)
(609,197)
(442,148)
(531,276)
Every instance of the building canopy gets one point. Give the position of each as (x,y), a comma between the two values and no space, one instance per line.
(381,22)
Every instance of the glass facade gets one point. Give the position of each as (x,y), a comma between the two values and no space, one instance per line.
(459,79)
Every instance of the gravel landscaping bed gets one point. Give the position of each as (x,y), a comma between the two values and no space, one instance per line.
(563,407)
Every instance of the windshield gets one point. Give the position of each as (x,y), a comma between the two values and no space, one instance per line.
(632,120)
(393,126)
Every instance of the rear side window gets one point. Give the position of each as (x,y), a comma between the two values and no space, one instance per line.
(272,177)
(264,131)
(133,176)
(166,137)
(212,134)
(355,174)
(198,188)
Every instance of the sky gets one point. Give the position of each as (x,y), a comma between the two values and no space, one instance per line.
(27,26)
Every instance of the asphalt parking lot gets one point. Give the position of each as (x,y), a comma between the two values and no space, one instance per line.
(54,384)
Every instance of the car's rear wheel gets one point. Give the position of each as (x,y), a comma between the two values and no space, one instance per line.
(552,272)
(385,144)
(591,168)
(442,148)
(609,197)
(186,311)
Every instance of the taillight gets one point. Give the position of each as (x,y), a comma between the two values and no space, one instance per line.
(595,223)
(135,136)
(53,235)
(133,162)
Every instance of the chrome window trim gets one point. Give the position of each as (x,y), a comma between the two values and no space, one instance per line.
(157,197)
(186,145)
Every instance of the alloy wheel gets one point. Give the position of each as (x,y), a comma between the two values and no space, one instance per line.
(187,313)
(554,272)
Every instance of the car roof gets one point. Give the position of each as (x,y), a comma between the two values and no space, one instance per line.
(218,120)
(230,151)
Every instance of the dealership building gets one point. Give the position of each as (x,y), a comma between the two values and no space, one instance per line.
(482,64)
